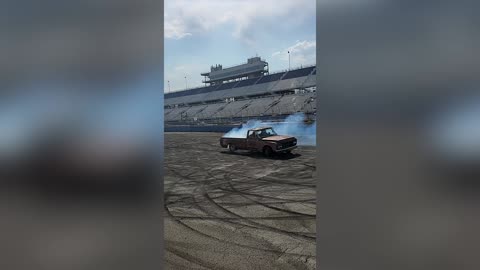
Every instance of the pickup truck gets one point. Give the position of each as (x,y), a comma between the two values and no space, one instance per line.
(263,139)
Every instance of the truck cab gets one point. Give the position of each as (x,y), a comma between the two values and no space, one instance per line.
(262,139)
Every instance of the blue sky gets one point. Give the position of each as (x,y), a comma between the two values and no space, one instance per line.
(201,33)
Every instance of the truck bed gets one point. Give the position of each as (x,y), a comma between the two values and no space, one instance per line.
(240,143)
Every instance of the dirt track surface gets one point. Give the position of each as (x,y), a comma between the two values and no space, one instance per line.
(237,211)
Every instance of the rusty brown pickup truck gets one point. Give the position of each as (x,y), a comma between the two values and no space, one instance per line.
(264,140)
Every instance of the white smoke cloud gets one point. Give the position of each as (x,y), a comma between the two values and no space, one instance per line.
(293,125)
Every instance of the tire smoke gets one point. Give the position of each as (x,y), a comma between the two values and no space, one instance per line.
(293,125)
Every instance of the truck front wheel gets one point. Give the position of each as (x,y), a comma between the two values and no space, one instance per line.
(267,151)
(231,148)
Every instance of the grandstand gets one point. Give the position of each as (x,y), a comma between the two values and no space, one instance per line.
(254,68)
(259,95)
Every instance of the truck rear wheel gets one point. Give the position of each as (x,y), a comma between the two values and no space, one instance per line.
(267,151)
(231,148)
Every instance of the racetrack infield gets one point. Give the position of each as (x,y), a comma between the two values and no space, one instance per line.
(237,211)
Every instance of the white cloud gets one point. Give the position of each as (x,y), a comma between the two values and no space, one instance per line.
(190,17)
(301,53)
(175,29)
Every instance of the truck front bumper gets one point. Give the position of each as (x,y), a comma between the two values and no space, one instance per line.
(283,150)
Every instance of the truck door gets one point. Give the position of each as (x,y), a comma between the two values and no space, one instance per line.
(252,140)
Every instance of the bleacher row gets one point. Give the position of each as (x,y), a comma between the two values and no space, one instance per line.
(299,78)
(270,105)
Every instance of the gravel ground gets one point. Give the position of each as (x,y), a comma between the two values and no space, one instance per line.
(237,211)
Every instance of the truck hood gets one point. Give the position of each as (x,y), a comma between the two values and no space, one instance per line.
(278,138)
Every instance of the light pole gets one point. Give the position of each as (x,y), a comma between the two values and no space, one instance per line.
(288,60)
(168,86)
(186,86)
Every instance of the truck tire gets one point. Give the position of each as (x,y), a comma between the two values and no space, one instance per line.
(231,148)
(267,151)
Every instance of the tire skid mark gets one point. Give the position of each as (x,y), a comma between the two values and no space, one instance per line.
(192,259)
(275,208)
(280,252)
(262,226)
(196,190)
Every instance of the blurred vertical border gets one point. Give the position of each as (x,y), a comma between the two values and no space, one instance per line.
(398,136)
(81,134)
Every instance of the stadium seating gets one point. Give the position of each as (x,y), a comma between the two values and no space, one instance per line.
(210,111)
(288,84)
(310,81)
(298,73)
(190,92)
(271,78)
(176,114)
(258,107)
(288,104)
(246,82)
(253,90)
(233,108)
(269,95)
(271,105)
(226,86)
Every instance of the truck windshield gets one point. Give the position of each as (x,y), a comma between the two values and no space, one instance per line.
(266,133)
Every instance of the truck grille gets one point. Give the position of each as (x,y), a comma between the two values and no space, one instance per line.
(289,144)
